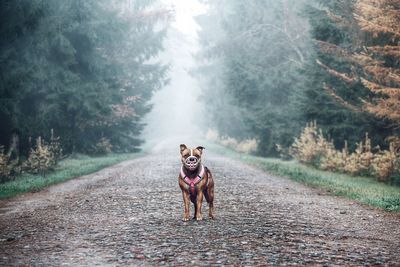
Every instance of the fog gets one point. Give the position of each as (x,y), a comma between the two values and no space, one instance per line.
(207,48)
(107,76)
(96,97)
(178,113)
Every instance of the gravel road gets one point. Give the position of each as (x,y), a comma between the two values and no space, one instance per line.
(130,214)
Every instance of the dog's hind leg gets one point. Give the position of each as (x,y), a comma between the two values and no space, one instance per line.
(211,208)
(210,200)
(207,197)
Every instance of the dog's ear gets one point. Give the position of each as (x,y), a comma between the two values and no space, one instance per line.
(200,148)
(182,147)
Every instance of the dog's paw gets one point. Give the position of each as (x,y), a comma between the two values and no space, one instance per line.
(185,219)
(199,218)
(212,217)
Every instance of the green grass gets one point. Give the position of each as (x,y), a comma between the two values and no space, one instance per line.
(69,168)
(365,190)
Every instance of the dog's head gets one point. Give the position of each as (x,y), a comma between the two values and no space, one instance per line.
(191,157)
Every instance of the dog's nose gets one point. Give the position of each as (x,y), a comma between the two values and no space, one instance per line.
(192,159)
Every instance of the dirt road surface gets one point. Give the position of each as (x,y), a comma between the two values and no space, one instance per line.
(130,215)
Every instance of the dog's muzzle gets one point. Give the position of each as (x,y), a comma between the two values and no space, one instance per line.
(191,163)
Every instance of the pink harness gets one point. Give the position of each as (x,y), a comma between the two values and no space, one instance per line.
(192,182)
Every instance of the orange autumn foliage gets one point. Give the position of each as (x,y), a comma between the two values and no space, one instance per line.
(312,148)
(375,55)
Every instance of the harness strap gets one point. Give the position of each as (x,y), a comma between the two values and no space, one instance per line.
(193,182)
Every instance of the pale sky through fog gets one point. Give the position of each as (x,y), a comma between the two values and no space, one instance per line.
(185,10)
(177,111)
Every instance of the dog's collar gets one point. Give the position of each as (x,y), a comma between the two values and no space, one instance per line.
(192,182)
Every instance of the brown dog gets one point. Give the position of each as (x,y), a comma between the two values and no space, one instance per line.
(195,181)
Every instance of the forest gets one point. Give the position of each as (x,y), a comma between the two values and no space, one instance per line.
(269,68)
(78,74)
(302,79)
(81,68)
(199,132)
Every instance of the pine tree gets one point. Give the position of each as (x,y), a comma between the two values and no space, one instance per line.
(255,55)
(380,58)
(335,90)
(86,69)
(375,55)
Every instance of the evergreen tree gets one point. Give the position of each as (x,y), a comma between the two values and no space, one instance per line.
(257,53)
(379,61)
(84,68)
(334,88)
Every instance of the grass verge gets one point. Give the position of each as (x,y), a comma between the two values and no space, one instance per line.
(362,189)
(69,168)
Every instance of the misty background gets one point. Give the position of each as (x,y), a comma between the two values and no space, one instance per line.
(177,108)
(297,103)
(106,76)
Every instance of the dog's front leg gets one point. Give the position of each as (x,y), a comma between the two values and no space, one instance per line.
(186,202)
(199,201)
